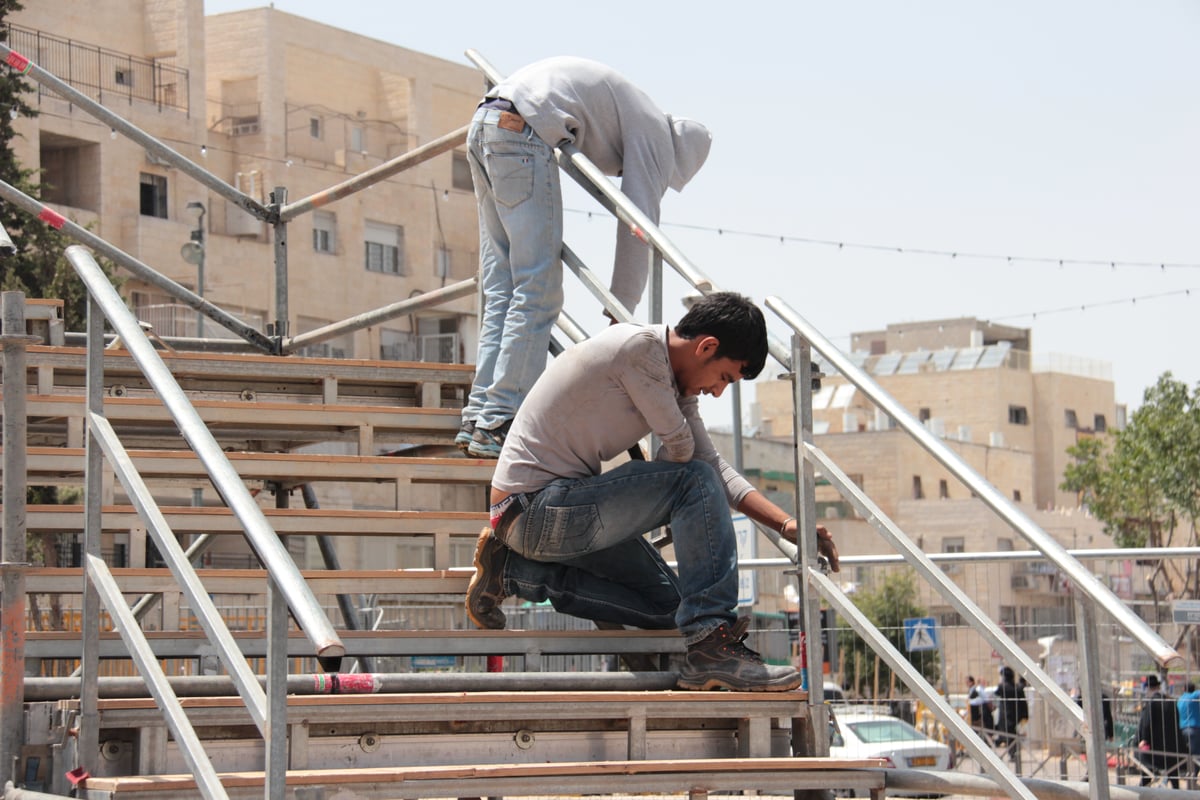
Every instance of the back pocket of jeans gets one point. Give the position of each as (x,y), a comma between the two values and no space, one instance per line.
(512,177)
(568,530)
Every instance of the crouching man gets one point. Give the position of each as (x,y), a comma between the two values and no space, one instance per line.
(563,531)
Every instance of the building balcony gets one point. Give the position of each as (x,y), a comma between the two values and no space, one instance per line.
(103,75)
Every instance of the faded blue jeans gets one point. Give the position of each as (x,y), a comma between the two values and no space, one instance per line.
(520,241)
(579,544)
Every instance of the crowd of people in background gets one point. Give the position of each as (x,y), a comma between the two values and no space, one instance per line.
(1168,732)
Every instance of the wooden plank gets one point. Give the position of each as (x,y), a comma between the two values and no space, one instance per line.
(239,365)
(744,767)
(69,580)
(332,522)
(248,376)
(142,421)
(728,704)
(63,463)
(528,644)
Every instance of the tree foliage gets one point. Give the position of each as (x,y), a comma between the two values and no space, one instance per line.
(1143,482)
(894,601)
(38,268)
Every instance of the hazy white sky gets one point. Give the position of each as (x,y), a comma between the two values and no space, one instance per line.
(1041,131)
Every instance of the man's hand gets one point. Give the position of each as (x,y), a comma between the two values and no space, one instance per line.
(827,548)
(825,544)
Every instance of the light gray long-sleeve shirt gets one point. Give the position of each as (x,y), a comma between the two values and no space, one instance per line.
(597,400)
(620,129)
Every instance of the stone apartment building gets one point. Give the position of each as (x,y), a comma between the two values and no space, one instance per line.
(1008,413)
(262,99)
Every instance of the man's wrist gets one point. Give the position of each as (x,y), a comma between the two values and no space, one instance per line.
(784,524)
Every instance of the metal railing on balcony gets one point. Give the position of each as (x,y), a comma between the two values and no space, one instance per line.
(102,74)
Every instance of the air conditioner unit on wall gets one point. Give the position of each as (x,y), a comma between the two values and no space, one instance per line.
(239,222)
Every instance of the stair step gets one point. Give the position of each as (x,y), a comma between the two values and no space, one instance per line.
(57,420)
(530,644)
(65,465)
(69,580)
(697,777)
(295,377)
(285,521)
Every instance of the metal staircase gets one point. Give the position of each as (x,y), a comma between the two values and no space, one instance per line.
(275,722)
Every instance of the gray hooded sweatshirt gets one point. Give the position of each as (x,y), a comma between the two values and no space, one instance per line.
(622,131)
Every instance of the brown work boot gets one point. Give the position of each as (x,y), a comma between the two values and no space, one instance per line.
(722,661)
(485,593)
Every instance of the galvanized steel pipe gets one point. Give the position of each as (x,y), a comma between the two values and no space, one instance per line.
(304,606)
(1081,578)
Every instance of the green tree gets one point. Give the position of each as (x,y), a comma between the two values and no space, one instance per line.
(1143,483)
(38,268)
(886,607)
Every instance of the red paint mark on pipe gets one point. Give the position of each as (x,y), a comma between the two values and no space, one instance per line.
(52,218)
(18,62)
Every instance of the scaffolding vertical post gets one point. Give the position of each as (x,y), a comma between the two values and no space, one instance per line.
(1093,698)
(89,691)
(809,616)
(12,568)
(280,327)
(276,750)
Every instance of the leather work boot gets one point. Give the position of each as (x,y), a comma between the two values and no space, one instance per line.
(723,661)
(485,592)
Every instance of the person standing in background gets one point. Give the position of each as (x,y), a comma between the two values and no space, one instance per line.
(980,708)
(1160,742)
(1008,710)
(1188,707)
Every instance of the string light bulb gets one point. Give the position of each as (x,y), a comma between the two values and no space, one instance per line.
(12,112)
(204,151)
(112,133)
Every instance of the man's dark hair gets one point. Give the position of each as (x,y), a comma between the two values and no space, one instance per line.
(736,323)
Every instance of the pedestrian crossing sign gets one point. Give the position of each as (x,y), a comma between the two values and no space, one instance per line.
(920,633)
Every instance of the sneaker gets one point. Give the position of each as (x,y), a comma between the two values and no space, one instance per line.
(463,440)
(722,661)
(486,592)
(487,443)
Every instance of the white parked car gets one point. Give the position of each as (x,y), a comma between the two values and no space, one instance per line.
(867,734)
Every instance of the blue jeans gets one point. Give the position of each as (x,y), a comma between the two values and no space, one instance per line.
(520,242)
(579,544)
(1192,737)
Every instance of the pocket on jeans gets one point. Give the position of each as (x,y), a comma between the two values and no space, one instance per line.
(568,530)
(512,177)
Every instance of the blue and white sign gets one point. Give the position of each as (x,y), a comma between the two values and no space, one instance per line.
(920,633)
(747,547)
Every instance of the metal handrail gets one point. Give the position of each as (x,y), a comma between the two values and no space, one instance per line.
(915,681)
(266,543)
(207,782)
(1080,577)
(146,273)
(935,576)
(181,567)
